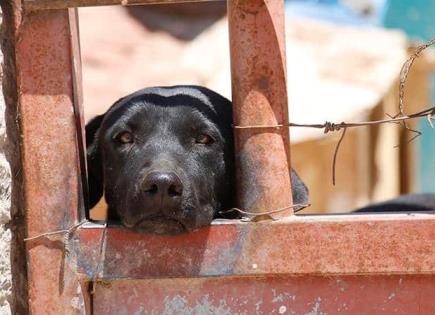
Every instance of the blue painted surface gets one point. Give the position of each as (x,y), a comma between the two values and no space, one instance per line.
(417,19)
(327,10)
(426,160)
(335,11)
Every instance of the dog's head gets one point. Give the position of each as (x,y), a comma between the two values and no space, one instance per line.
(164,158)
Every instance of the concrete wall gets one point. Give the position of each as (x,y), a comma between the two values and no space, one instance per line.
(5,203)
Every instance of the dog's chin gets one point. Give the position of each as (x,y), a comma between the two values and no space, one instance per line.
(160,226)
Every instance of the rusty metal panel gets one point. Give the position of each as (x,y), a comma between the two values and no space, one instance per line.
(63,4)
(257,262)
(49,156)
(258,70)
(269,295)
(328,245)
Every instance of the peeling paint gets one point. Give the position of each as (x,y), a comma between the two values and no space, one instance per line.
(268,295)
(140,311)
(122,311)
(281,297)
(316,308)
(178,305)
(257,307)
(277,298)
(231,249)
(342,307)
(75,303)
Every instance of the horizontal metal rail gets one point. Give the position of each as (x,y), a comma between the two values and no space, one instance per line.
(372,294)
(309,245)
(34,5)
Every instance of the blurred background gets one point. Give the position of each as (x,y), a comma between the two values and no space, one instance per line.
(343,58)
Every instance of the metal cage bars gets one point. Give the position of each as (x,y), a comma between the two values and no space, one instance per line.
(47,72)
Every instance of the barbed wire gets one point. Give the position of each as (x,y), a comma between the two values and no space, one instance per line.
(404,71)
(400,118)
(330,126)
(251,216)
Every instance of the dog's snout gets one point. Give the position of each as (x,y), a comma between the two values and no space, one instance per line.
(164,184)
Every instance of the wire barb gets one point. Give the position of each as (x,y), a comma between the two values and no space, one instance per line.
(67,232)
(400,118)
(253,216)
(331,126)
(334,160)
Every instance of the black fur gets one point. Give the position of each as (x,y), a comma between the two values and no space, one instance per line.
(166,180)
(404,203)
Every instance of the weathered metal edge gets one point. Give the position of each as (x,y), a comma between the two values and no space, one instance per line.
(317,245)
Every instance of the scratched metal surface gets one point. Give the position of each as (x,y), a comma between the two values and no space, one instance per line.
(49,156)
(308,295)
(328,245)
(258,64)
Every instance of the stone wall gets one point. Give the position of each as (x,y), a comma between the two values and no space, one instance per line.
(5,203)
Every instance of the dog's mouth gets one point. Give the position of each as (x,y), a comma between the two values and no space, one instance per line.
(159,225)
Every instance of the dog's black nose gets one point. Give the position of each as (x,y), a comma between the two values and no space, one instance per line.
(163,184)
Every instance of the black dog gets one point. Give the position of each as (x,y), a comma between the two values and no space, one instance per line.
(404,203)
(164,158)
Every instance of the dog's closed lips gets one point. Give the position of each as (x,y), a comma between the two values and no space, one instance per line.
(164,158)
(158,225)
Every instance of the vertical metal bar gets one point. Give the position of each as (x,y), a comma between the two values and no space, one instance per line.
(258,69)
(78,105)
(49,157)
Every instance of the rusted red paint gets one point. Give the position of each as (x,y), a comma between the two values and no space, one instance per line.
(332,245)
(260,98)
(63,4)
(364,264)
(272,295)
(79,115)
(49,156)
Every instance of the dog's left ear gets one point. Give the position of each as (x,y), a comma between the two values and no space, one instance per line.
(93,157)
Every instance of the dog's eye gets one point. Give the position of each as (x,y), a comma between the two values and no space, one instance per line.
(204,139)
(125,137)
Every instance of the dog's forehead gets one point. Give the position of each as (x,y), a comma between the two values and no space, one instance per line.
(168,96)
(182,101)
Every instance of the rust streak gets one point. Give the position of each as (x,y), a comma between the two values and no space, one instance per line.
(260,98)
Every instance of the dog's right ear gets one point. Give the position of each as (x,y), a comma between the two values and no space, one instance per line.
(94,161)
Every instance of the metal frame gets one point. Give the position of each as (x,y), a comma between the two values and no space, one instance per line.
(65,4)
(251,259)
(47,88)
(313,245)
